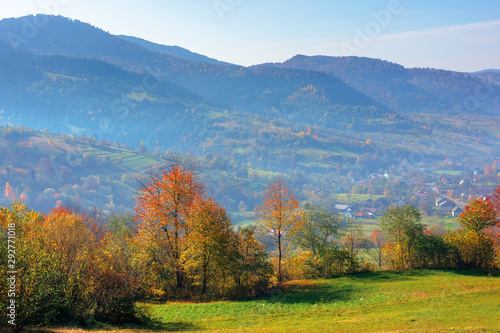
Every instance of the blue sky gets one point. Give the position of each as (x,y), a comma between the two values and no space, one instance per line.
(457,35)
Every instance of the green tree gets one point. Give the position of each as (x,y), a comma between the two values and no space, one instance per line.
(402,228)
(320,233)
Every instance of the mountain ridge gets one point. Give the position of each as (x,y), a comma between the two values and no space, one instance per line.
(173,50)
(322,122)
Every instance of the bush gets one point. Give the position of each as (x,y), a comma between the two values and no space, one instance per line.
(472,249)
(64,271)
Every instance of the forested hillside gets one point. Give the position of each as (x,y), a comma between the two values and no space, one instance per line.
(330,125)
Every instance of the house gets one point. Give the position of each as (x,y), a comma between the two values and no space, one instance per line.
(347,215)
(359,215)
(444,205)
(455,212)
(422,196)
(439,200)
(369,211)
(342,208)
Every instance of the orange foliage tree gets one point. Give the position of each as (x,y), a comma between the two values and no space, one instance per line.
(9,191)
(376,252)
(62,270)
(276,215)
(479,214)
(475,246)
(164,203)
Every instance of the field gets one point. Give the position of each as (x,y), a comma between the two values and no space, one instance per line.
(387,301)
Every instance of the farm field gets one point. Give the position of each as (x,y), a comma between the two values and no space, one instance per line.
(387,301)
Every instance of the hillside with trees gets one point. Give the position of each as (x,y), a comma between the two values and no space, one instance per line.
(81,266)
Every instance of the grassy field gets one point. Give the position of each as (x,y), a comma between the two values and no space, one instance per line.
(388,301)
(447,172)
(449,222)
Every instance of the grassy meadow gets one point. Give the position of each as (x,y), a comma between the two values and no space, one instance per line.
(386,301)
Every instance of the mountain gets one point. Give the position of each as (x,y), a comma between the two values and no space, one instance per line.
(487,70)
(402,89)
(251,88)
(321,122)
(489,77)
(172,50)
(62,93)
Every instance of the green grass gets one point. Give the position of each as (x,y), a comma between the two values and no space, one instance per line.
(418,300)
(448,172)
(449,222)
(350,198)
(130,160)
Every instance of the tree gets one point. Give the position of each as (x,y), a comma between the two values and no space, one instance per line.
(242,208)
(209,238)
(320,233)
(63,270)
(472,249)
(277,215)
(142,148)
(352,241)
(495,198)
(402,229)
(251,271)
(9,192)
(375,247)
(478,215)
(164,203)
(474,246)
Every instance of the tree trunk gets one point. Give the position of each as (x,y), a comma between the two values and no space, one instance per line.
(204,284)
(280,276)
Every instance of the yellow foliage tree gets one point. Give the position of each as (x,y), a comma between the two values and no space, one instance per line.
(277,215)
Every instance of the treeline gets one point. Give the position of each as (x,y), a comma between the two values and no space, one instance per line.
(76,266)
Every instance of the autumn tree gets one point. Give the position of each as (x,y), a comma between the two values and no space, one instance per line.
(353,240)
(402,229)
(209,239)
(479,214)
(321,235)
(164,203)
(474,246)
(251,269)
(375,246)
(495,199)
(9,191)
(277,215)
(63,272)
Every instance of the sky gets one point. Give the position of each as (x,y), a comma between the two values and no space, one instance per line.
(454,35)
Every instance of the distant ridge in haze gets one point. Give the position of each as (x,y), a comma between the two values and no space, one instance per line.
(402,89)
(172,50)
(487,70)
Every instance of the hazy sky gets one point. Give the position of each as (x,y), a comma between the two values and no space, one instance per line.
(459,35)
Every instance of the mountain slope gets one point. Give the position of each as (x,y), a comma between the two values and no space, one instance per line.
(251,89)
(172,50)
(401,89)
